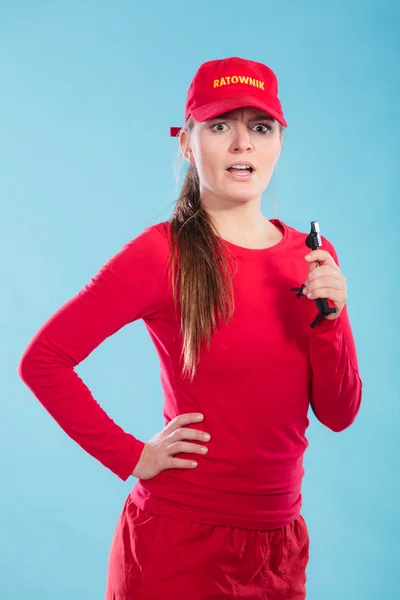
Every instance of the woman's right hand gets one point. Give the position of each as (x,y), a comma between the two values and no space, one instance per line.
(158,453)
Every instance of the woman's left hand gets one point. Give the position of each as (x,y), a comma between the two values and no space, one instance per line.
(326,281)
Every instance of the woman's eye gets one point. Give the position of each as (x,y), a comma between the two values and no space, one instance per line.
(267,127)
(218,125)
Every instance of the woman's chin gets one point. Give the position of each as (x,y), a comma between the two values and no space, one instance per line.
(242,193)
(238,192)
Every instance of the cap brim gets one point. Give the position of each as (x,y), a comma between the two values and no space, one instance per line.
(214,109)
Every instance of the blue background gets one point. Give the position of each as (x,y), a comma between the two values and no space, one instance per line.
(88,93)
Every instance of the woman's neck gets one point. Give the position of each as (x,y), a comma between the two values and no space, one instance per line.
(263,235)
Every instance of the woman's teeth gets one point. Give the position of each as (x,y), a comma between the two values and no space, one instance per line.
(241,172)
(240,169)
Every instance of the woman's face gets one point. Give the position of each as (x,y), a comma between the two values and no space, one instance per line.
(246,135)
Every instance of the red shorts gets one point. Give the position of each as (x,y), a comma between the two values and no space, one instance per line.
(153,557)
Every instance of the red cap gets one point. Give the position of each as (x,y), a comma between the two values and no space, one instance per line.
(229,83)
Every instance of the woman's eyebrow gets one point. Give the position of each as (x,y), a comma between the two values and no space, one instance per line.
(263,117)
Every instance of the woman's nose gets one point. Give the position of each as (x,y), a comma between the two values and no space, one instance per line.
(241,138)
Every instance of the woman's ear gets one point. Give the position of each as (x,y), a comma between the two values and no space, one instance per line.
(185,148)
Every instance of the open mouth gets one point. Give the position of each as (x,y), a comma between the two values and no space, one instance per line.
(241,170)
(242,173)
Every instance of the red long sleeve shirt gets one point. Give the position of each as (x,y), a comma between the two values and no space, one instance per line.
(254,385)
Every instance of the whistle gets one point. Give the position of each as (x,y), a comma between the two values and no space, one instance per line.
(324,306)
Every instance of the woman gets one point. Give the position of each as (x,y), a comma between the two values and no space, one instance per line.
(217,516)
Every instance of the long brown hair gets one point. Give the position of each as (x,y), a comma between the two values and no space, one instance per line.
(200,273)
